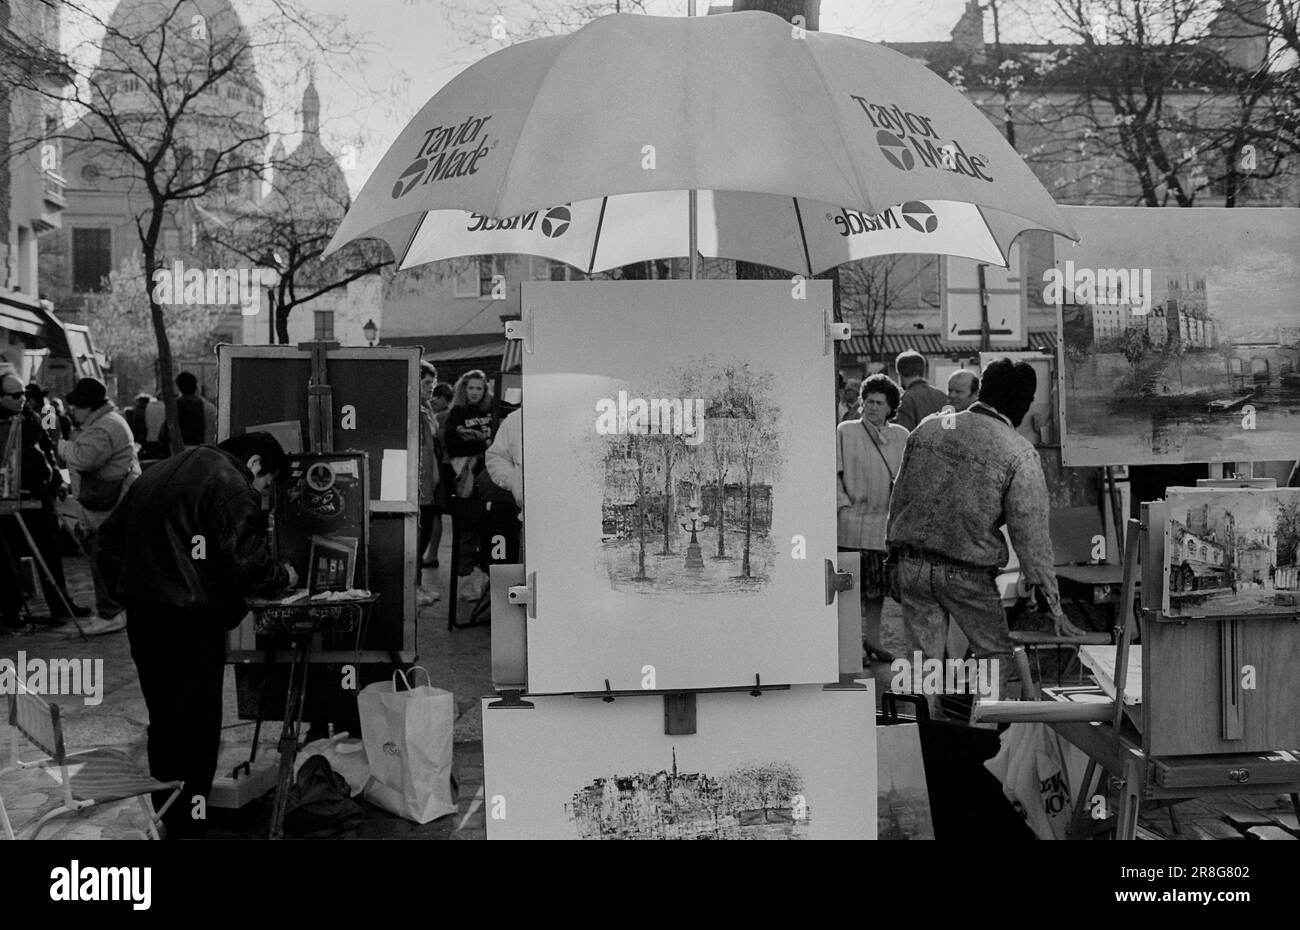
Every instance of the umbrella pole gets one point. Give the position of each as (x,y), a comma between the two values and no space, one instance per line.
(693,219)
(694,237)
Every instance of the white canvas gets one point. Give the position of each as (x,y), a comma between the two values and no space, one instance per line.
(1210,370)
(1232,552)
(1004,293)
(797,764)
(752,359)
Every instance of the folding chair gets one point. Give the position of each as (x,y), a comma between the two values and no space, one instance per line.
(94,776)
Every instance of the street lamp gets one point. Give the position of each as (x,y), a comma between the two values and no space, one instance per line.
(370,331)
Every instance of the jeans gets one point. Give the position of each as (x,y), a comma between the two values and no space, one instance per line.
(929,588)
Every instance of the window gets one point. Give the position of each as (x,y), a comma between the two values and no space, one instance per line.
(563,272)
(464,281)
(489,266)
(92,259)
(325,325)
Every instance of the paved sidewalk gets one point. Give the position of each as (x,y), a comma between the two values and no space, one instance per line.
(459,661)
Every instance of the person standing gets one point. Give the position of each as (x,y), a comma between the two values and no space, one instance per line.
(103,462)
(41,481)
(430,479)
(466,434)
(868,453)
(919,398)
(183,550)
(963,389)
(195,414)
(962,478)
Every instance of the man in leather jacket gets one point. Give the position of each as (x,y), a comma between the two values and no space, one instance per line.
(182,550)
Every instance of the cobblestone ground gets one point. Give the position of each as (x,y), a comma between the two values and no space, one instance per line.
(458,661)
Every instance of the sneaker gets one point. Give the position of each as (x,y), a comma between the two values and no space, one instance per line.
(426,596)
(96,626)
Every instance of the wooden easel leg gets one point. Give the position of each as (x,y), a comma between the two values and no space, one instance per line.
(1130,801)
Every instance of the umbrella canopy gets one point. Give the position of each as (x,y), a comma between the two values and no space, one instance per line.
(804,237)
(739,102)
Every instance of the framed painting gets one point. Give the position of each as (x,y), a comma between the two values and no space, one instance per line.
(679,485)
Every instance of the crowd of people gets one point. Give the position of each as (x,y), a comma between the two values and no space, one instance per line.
(80,455)
(926,480)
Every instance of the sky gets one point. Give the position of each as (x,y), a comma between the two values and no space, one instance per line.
(411,48)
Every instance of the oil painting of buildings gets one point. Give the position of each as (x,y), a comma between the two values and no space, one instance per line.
(1200,361)
(1232,552)
(759,801)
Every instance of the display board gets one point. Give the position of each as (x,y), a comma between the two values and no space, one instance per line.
(679,484)
(791,764)
(1232,552)
(375,393)
(1004,290)
(1179,335)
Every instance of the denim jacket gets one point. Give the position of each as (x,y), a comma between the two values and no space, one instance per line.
(959,485)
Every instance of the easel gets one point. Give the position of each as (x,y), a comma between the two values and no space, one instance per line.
(13,506)
(1162,750)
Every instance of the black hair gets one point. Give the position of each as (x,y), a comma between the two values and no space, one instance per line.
(1009,388)
(882,384)
(187,383)
(264,445)
(910,364)
(443,389)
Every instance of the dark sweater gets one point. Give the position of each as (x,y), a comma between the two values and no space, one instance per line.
(457,446)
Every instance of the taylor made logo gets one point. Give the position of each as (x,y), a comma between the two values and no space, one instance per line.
(907,139)
(914,213)
(555,222)
(446,152)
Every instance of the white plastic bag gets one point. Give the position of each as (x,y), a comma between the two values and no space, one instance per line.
(1034,778)
(346,755)
(408,740)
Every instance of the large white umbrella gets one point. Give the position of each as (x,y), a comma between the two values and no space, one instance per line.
(740,103)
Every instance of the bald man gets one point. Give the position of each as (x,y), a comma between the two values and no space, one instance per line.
(963,389)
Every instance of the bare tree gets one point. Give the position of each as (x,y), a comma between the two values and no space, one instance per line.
(159,81)
(871,287)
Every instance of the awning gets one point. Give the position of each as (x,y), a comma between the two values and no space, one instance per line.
(495,350)
(932,344)
(18,318)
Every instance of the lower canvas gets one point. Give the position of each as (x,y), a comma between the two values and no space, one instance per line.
(792,764)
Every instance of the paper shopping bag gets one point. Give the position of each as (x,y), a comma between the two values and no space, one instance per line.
(408,739)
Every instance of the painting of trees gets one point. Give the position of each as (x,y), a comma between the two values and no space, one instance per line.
(1288,532)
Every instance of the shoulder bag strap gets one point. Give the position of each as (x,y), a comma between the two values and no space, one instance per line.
(875,442)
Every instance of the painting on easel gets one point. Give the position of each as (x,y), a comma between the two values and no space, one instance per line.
(1180,335)
(1232,552)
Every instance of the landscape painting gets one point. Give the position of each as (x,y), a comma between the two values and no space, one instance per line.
(688,497)
(1179,335)
(1232,552)
(792,764)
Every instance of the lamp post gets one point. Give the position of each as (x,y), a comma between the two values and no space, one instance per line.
(694,559)
(371,332)
(270,265)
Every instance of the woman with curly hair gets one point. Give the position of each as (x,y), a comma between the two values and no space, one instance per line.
(868,453)
(466,434)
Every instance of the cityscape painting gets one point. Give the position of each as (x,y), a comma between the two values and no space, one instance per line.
(758,801)
(792,764)
(1232,552)
(691,511)
(1179,335)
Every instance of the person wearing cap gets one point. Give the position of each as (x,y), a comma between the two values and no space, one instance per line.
(101,456)
(183,550)
(41,481)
